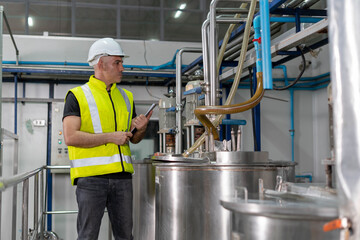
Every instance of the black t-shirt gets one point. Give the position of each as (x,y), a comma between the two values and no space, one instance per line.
(72,108)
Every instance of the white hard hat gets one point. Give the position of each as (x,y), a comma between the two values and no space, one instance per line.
(104,47)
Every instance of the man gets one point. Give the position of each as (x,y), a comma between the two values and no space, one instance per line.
(97,121)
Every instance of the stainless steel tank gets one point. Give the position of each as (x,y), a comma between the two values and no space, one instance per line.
(144,200)
(188,193)
(295,218)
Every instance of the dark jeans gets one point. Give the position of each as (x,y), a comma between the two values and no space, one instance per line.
(93,194)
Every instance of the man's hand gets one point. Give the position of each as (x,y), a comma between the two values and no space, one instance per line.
(140,123)
(122,138)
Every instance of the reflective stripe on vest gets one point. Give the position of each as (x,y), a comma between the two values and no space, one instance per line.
(128,106)
(95,118)
(86,162)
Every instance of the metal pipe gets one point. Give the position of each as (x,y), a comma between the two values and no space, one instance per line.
(36,202)
(230,20)
(233,143)
(213,49)
(192,135)
(42,206)
(15,171)
(25,210)
(238,143)
(1,130)
(164,142)
(12,181)
(179,107)
(205,49)
(232,10)
(187,137)
(12,38)
(160,143)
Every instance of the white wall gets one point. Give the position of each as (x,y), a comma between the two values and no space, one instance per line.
(310,107)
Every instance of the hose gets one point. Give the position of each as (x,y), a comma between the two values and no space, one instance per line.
(202,111)
(298,77)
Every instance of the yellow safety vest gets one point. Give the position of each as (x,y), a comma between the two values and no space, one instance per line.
(102,112)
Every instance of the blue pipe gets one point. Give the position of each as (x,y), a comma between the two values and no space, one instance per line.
(165,65)
(292,130)
(48,161)
(293,20)
(257,45)
(256,116)
(265,42)
(168,65)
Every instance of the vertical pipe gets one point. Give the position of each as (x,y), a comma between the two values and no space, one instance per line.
(14,204)
(42,206)
(256,117)
(164,142)
(227,127)
(25,210)
(297,20)
(212,53)
(48,160)
(292,130)
(205,49)
(266,43)
(15,102)
(187,137)
(160,143)
(36,202)
(192,135)
(179,108)
(1,134)
(178,136)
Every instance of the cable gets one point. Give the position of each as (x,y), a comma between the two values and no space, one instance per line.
(298,77)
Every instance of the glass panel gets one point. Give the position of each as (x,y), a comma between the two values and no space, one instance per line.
(187,27)
(53,19)
(95,22)
(151,3)
(15,13)
(140,24)
(177,3)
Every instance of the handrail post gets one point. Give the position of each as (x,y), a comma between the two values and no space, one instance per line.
(42,206)
(36,203)
(25,210)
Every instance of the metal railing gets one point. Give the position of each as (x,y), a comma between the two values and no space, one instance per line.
(38,230)
(24,179)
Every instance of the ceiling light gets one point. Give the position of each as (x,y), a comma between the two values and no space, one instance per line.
(182,6)
(178,12)
(30,21)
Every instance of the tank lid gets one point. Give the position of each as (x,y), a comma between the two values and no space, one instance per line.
(179,158)
(236,157)
(299,208)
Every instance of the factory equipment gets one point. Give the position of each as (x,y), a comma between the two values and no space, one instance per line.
(59,150)
(144,199)
(293,211)
(167,123)
(188,191)
(195,97)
